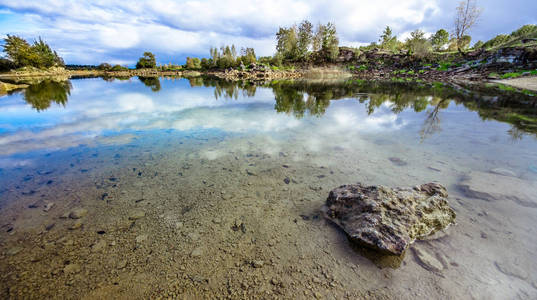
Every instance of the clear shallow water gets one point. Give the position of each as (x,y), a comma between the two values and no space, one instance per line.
(207,162)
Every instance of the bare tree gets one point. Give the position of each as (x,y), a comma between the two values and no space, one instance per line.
(467,15)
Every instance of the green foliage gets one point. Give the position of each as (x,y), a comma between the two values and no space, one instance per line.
(147,61)
(327,34)
(118,68)
(417,44)
(38,55)
(305,37)
(525,31)
(440,39)
(287,43)
(388,41)
(152,82)
(193,63)
(42,94)
(247,56)
(497,41)
(104,66)
(478,45)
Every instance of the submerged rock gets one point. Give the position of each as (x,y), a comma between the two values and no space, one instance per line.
(386,219)
(492,187)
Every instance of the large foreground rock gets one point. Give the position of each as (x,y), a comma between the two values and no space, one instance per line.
(386,219)
(492,187)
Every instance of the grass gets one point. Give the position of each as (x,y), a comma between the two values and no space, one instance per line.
(518,74)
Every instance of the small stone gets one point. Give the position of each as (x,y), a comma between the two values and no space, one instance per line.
(287,180)
(141,238)
(76,225)
(197,252)
(78,213)
(71,269)
(138,214)
(14,250)
(122,264)
(193,236)
(318,295)
(397,161)
(178,225)
(275,281)
(48,206)
(99,246)
(258,263)
(427,260)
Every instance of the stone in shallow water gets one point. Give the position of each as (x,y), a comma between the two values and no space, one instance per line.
(389,220)
(78,213)
(137,214)
(491,187)
(427,260)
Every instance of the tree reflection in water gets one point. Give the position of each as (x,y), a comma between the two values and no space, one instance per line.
(42,94)
(300,98)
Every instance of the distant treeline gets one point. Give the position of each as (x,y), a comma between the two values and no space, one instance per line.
(302,44)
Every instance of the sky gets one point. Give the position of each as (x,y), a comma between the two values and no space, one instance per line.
(118,32)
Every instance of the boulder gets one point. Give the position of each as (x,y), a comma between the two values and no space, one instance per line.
(389,219)
(492,187)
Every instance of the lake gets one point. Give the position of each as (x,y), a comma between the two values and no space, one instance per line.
(173,187)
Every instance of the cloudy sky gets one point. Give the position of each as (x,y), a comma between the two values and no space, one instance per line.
(91,32)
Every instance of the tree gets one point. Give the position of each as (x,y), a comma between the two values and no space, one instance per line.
(18,50)
(478,45)
(305,34)
(193,63)
(417,44)
(387,40)
(440,39)
(326,40)
(465,42)
(287,43)
(22,54)
(247,56)
(147,61)
(467,15)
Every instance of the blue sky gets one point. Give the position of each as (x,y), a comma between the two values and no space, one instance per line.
(91,32)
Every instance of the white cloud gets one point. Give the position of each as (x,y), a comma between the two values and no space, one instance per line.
(95,31)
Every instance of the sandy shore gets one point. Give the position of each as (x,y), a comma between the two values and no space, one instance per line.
(528,83)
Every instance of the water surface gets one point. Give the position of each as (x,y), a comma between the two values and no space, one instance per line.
(199,187)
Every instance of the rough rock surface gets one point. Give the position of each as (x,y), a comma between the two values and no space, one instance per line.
(492,187)
(386,219)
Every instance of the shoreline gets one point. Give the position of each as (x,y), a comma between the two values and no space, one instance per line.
(462,75)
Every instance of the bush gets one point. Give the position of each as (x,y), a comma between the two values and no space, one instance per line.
(147,61)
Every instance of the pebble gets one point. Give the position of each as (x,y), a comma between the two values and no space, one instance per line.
(71,269)
(193,236)
(138,214)
(122,264)
(99,246)
(427,260)
(197,252)
(77,224)
(78,213)
(258,263)
(141,238)
(48,206)
(14,250)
